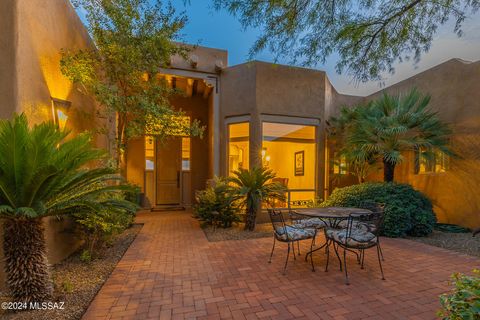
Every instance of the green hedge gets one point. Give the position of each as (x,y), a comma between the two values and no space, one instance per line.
(407,211)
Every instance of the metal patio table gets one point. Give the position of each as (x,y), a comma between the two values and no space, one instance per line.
(331,216)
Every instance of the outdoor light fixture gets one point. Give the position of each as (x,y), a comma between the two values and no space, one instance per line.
(60,110)
(265,157)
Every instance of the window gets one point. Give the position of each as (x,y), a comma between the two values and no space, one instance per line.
(339,165)
(290,150)
(238,146)
(149,153)
(185,153)
(438,162)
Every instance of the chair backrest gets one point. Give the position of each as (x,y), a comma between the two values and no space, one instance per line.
(278,221)
(373,221)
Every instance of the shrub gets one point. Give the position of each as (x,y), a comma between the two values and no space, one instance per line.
(463,302)
(407,211)
(216,205)
(98,226)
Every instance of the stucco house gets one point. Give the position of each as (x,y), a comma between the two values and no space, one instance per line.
(255,113)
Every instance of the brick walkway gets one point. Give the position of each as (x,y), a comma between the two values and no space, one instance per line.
(171,271)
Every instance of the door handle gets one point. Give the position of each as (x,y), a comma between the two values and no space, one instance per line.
(178,179)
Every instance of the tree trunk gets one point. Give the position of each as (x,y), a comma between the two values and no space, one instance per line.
(26,267)
(388,171)
(250,218)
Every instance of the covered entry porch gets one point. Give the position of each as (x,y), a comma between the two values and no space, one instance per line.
(169,170)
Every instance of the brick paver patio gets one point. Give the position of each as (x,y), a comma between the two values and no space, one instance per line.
(171,271)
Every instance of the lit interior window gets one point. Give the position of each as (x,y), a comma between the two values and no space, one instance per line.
(290,151)
(185,153)
(149,153)
(437,163)
(339,164)
(238,146)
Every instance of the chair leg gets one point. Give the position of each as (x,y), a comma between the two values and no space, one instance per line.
(380,262)
(363,258)
(293,249)
(311,255)
(273,248)
(327,251)
(338,256)
(381,252)
(345,266)
(286,261)
(298,247)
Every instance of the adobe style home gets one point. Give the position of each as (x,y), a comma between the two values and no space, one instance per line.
(255,113)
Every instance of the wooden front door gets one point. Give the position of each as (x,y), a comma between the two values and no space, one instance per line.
(168,171)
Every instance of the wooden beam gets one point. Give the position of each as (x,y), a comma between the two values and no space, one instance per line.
(189,88)
(207,91)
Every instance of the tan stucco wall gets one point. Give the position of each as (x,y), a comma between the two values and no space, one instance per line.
(207,59)
(454,89)
(261,89)
(30,43)
(42,32)
(7,57)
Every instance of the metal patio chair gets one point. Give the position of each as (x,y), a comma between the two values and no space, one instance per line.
(289,234)
(362,232)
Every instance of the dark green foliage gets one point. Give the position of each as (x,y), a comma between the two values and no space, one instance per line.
(42,173)
(99,226)
(385,128)
(407,211)
(253,187)
(368,36)
(133,39)
(216,205)
(463,302)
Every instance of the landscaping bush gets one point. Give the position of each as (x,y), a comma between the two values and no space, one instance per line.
(463,302)
(216,205)
(99,226)
(407,211)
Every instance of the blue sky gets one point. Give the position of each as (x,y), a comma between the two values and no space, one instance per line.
(218,29)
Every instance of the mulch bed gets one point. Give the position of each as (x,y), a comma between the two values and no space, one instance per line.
(77,283)
(460,242)
(236,232)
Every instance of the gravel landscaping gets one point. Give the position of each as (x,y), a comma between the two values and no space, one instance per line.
(460,242)
(77,283)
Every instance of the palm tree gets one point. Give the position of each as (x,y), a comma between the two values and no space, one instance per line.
(43,174)
(255,186)
(387,127)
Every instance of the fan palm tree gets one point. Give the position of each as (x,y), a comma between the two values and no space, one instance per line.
(387,127)
(255,186)
(43,174)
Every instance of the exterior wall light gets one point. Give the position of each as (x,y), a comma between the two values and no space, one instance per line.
(60,112)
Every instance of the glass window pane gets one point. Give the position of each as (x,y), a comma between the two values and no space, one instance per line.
(238,146)
(290,151)
(149,153)
(185,153)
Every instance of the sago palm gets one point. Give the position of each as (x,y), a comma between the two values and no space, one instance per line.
(43,174)
(254,186)
(387,127)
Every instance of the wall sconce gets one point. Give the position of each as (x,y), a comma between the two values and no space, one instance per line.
(60,111)
(265,157)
